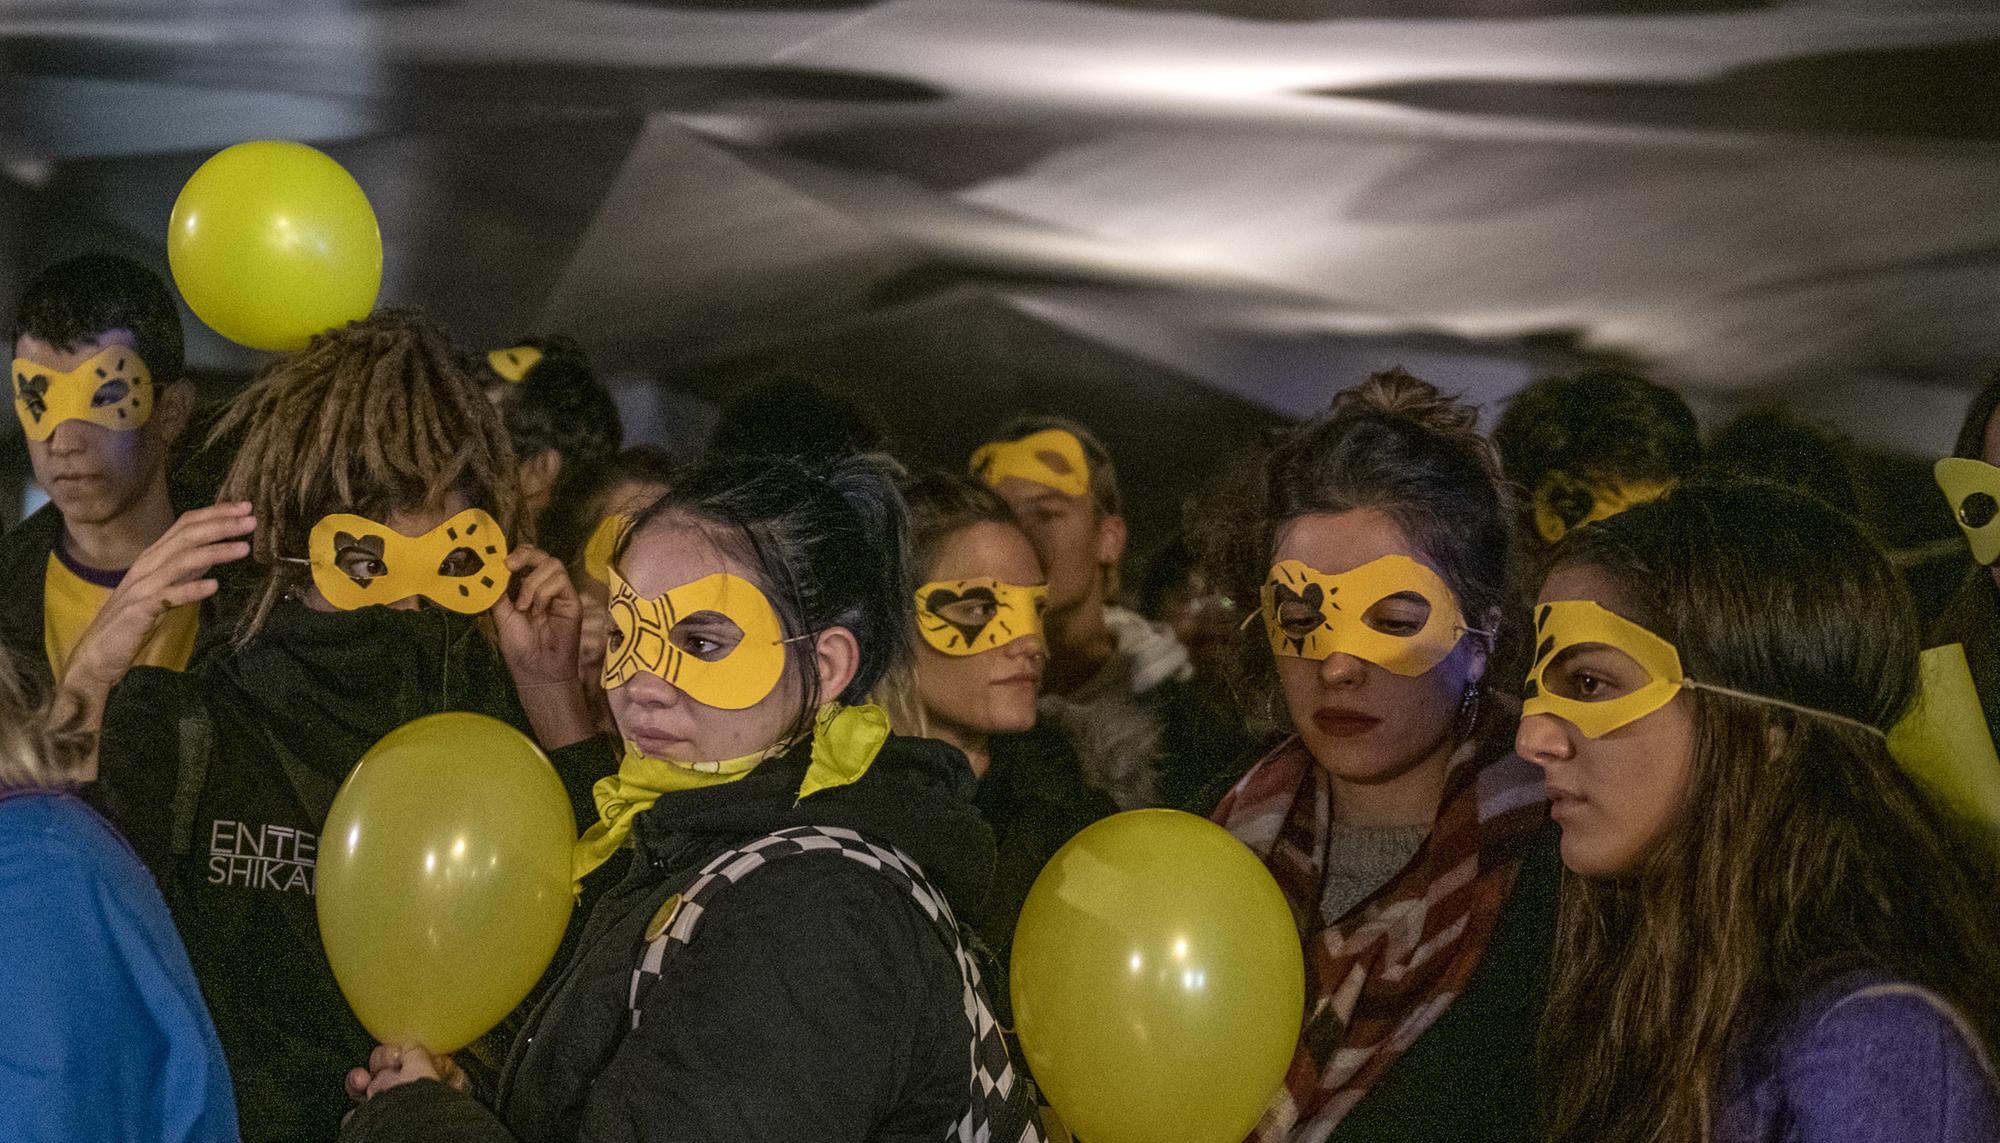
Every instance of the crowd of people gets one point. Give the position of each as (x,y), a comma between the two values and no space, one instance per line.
(1567,747)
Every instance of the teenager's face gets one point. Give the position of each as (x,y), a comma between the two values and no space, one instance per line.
(661,718)
(969,697)
(1363,723)
(408,522)
(1614,795)
(92,473)
(1072,539)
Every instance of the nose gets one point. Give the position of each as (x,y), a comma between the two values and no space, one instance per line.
(1026,647)
(650,691)
(67,438)
(1544,739)
(1342,670)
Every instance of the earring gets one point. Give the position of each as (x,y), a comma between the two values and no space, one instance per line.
(1468,709)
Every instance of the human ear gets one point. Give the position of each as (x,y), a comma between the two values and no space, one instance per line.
(836,660)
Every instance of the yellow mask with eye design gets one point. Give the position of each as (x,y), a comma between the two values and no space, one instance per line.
(968,616)
(1562,496)
(1311,615)
(514,364)
(1052,458)
(113,390)
(1569,623)
(642,640)
(460,564)
(1973,488)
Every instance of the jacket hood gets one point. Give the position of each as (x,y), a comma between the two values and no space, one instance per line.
(916,796)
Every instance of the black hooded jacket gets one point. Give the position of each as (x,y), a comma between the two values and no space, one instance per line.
(814,1002)
(222,776)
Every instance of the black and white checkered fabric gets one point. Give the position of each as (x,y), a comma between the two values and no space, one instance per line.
(1001,1108)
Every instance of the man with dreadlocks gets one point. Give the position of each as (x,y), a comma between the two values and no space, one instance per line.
(372,472)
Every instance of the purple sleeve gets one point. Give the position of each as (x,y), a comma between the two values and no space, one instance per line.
(1889,1063)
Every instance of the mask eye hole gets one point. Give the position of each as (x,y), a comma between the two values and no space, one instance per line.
(459,563)
(1402,614)
(34,393)
(1978,510)
(1593,672)
(706,635)
(971,611)
(359,558)
(110,393)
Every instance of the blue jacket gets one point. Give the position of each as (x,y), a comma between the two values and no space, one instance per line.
(106,1034)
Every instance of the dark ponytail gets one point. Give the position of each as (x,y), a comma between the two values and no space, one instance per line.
(827,543)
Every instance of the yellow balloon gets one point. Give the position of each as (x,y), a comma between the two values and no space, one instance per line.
(271,243)
(443,884)
(1158,982)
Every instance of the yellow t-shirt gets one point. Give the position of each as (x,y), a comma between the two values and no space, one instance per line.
(71,596)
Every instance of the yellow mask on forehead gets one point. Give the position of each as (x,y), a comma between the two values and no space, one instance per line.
(1973,488)
(1606,501)
(1572,623)
(1311,615)
(1052,458)
(460,564)
(514,364)
(113,390)
(642,640)
(603,542)
(969,616)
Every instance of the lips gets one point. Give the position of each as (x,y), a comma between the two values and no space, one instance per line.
(1563,803)
(656,744)
(1344,722)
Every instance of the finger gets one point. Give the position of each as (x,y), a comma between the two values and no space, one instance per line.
(357,1084)
(182,594)
(179,540)
(545,584)
(183,566)
(384,1057)
(527,555)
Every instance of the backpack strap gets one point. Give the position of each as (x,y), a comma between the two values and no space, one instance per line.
(197,749)
(1001,1107)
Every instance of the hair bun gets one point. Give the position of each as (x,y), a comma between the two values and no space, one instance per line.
(1397,393)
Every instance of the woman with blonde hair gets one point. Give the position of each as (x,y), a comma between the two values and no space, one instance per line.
(107,1036)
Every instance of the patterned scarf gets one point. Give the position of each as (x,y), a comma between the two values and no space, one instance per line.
(1381,976)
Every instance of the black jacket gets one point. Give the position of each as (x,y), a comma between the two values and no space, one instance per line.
(815,1001)
(24,561)
(221,777)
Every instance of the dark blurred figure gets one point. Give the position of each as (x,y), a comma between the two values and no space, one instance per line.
(1768,445)
(560,417)
(1972,618)
(1589,445)
(1177,591)
(794,416)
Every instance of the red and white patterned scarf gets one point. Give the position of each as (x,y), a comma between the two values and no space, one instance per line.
(1381,976)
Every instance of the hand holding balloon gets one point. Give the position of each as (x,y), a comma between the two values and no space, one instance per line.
(393,1066)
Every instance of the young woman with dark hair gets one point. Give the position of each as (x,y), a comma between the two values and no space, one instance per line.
(1770,933)
(373,476)
(979,659)
(1412,845)
(781,962)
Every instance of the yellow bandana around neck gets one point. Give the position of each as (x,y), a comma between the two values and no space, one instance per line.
(112,390)
(1052,458)
(846,740)
(513,364)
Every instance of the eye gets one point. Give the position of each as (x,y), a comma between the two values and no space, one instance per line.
(460,562)
(360,564)
(707,635)
(1298,618)
(1593,673)
(110,393)
(1401,615)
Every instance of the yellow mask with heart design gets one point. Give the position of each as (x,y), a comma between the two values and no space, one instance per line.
(642,640)
(969,616)
(1559,491)
(460,564)
(1571,623)
(1973,488)
(514,364)
(1052,458)
(1311,615)
(113,390)
(1565,624)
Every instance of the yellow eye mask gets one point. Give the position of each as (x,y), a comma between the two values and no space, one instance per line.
(460,564)
(113,390)
(968,616)
(1052,458)
(1973,488)
(684,637)
(1564,502)
(603,542)
(514,364)
(1567,624)
(1311,615)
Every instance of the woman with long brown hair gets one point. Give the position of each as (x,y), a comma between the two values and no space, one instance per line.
(1770,932)
(1413,847)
